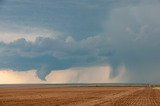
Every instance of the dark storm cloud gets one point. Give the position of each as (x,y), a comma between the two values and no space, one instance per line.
(130,37)
(47,54)
(134,32)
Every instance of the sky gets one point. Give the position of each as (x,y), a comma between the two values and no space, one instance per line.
(79,41)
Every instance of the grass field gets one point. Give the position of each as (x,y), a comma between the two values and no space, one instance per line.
(26,95)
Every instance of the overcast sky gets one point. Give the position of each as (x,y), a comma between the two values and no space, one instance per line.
(81,36)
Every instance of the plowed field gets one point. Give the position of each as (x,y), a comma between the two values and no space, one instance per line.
(79,96)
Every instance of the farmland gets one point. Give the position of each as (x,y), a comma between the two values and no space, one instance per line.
(79,95)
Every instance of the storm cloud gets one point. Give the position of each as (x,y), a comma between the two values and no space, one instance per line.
(47,54)
(127,35)
(98,74)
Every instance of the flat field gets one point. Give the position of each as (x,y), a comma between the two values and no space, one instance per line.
(79,96)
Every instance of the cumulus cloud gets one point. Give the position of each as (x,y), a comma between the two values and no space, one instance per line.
(46,54)
(100,74)
(14,31)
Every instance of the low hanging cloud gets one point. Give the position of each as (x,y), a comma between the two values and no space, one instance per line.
(131,38)
(47,54)
(99,74)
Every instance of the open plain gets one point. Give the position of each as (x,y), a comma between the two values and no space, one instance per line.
(79,96)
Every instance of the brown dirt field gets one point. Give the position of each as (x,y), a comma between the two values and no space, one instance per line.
(79,96)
